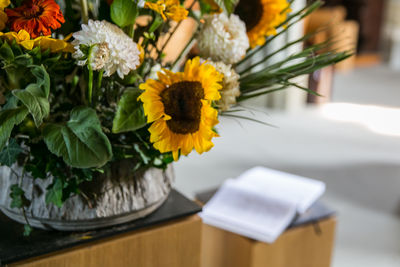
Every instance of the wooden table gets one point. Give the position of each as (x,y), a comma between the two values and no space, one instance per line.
(308,242)
(169,237)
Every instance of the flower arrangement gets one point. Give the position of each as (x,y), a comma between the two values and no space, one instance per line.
(78,88)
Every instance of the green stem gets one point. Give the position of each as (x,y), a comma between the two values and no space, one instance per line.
(131,31)
(85,11)
(90,79)
(99,79)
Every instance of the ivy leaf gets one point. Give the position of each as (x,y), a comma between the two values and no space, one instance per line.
(35,95)
(23,60)
(55,192)
(227,5)
(6,52)
(8,119)
(124,12)
(81,141)
(9,155)
(27,230)
(17,195)
(130,114)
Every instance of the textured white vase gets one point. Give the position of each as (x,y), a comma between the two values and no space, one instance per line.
(120,196)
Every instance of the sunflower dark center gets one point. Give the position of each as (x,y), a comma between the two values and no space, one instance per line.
(250,11)
(33,11)
(182,101)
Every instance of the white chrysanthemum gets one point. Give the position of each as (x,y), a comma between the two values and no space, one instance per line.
(113,50)
(223,39)
(230,85)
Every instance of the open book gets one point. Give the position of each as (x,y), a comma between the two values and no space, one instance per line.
(261,203)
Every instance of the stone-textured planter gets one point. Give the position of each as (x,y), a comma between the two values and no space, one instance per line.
(112,198)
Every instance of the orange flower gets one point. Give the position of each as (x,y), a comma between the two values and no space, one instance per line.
(37,17)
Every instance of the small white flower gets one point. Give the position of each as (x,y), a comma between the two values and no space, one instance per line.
(230,85)
(112,50)
(223,39)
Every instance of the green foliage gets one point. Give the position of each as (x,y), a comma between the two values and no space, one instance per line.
(35,95)
(9,155)
(8,119)
(55,193)
(27,230)
(227,5)
(43,164)
(17,195)
(124,12)
(81,141)
(130,114)
(6,52)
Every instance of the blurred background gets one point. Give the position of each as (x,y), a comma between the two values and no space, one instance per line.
(349,138)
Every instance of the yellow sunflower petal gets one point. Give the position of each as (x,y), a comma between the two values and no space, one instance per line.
(272,13)
(177,132)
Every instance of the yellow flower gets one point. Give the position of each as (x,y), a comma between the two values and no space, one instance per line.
(141,56)
(45,42)
(179,107)
(170,9)
(55,45)
(3,15)
(22,38)
(262,17)
(4,3)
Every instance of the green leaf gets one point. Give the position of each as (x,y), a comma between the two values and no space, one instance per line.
(124,12)
(35,95)
(17,195)
(9,155)
(81,141)
(8,119)
(23,60)
(6,52)
(55,192)
(227,5)
(130,114)
(27,230)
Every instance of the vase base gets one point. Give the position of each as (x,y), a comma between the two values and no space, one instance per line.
(83,225)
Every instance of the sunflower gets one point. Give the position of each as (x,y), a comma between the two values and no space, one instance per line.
(37,17)
(170,9)
(262,17)
(179,107)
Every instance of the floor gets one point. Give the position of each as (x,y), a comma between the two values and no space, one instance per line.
(352,144)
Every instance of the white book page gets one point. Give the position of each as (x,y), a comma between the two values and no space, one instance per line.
(239,209)
(289,187)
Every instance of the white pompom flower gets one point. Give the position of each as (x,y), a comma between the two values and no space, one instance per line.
(223,38)
(109,47)
(230,85)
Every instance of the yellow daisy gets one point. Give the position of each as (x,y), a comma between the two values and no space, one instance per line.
(45,42)
(3,15)
(262,17)
(179,107)
(170,9)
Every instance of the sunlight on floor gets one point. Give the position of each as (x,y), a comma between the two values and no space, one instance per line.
(379,119)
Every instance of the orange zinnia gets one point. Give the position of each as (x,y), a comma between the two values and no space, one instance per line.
(37,17)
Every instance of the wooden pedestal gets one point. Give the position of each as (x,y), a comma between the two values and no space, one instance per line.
(309,245)
(173,244)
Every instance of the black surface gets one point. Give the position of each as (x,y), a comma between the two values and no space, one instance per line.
(14,247)
(317,212)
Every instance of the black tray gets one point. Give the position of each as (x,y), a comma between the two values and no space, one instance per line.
(14,247)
